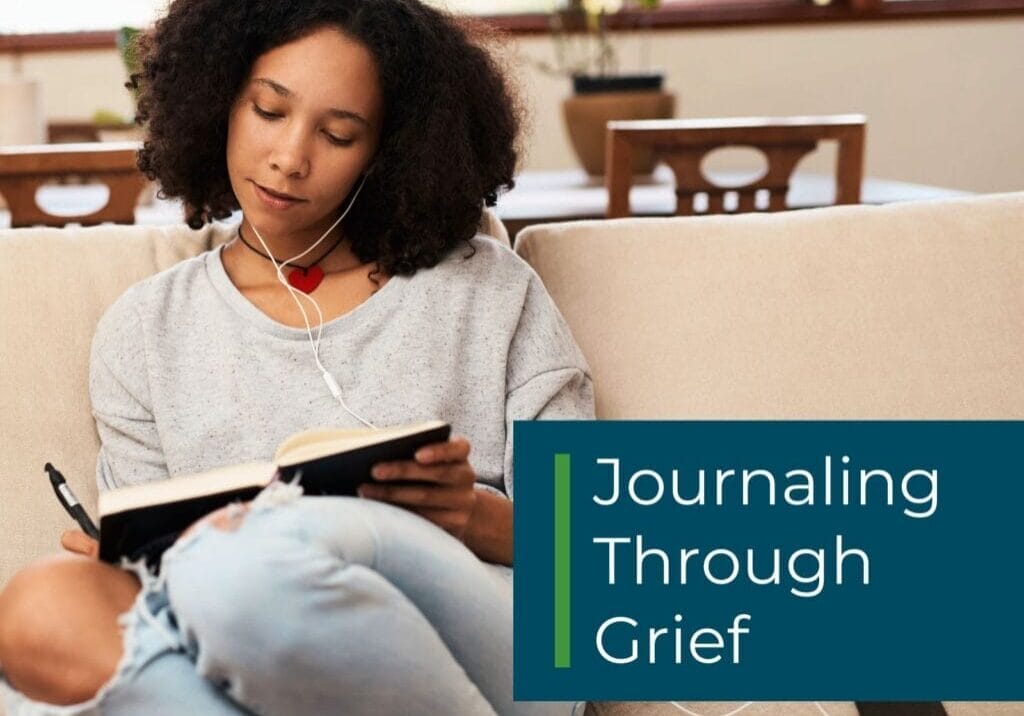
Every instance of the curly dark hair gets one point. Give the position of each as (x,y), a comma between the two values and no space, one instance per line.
(450,135)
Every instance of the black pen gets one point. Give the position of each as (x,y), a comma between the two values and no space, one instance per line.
(70,502)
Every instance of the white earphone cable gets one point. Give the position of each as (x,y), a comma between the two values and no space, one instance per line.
(332,384)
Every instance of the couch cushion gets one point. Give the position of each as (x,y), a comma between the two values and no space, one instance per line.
(900,311)
(57,283)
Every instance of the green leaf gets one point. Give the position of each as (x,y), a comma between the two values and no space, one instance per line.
(126,46)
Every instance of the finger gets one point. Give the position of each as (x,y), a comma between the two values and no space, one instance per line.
(83,543)
(420,496)
(451,521)
(69,540)
(455,450)
(408,470)
(79,542)
(446,473)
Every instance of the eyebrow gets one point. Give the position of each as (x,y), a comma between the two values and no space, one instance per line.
(333,111)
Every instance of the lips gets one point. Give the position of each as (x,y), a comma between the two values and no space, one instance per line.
(276,200)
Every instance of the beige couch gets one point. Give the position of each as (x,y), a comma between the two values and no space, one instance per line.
(904,311)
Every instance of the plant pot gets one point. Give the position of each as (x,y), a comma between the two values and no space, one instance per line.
(637,82)
(587,116)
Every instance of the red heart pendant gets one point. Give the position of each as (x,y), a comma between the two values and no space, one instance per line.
(306,280)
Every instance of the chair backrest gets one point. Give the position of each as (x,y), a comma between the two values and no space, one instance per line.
(683,143)
(23,169)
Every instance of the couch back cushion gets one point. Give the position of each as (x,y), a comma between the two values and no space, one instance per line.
(903,311)
(58,282)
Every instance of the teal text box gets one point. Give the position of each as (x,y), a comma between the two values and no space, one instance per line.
(938,619)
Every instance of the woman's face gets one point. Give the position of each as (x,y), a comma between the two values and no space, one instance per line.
(305,124)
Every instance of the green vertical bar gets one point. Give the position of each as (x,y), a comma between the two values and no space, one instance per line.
(562,561)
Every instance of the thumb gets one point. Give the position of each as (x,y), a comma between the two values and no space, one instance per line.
(79,542)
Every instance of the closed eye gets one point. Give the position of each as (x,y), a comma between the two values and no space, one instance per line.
(271,116)
(337,141)
(264,113)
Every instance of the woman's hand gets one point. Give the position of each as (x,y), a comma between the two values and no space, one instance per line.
(447,497)
(79,542)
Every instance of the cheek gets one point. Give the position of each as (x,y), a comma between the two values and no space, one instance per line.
(347,184)
(334,175)
(235,140)
(246,143)
(247,135)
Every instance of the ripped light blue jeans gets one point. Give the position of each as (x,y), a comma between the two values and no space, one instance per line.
(313,605)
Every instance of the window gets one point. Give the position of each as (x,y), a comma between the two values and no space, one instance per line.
(517,16)
(45,16)
(494,7)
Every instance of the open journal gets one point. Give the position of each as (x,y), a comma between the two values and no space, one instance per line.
(144,520)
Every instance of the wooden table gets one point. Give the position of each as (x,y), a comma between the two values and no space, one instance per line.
(546,196)
(74,200)
(27,169)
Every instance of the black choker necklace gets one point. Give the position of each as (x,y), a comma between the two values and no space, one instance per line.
(304,278)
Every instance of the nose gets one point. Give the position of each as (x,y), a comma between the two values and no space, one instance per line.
(289,155)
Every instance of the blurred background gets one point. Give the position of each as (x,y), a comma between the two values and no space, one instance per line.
(939,81)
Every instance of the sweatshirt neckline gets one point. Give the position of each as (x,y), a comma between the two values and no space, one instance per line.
(363,314)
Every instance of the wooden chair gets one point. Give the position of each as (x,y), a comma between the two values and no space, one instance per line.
(683,143)
(23,169)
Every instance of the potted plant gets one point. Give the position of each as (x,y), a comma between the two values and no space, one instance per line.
(601,92)
(111,126)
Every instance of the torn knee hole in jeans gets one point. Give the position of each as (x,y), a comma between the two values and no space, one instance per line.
(230,517)
(225,519)
(278,493)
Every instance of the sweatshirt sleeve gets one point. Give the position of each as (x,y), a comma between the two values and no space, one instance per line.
(548,376)
(130,448)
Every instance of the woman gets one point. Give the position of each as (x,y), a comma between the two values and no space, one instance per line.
(360,139)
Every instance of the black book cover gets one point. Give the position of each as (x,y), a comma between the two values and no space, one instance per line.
(148,531)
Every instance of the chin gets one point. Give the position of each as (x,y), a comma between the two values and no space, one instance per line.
(272,222)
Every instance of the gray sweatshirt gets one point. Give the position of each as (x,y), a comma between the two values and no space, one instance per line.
(187,375)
